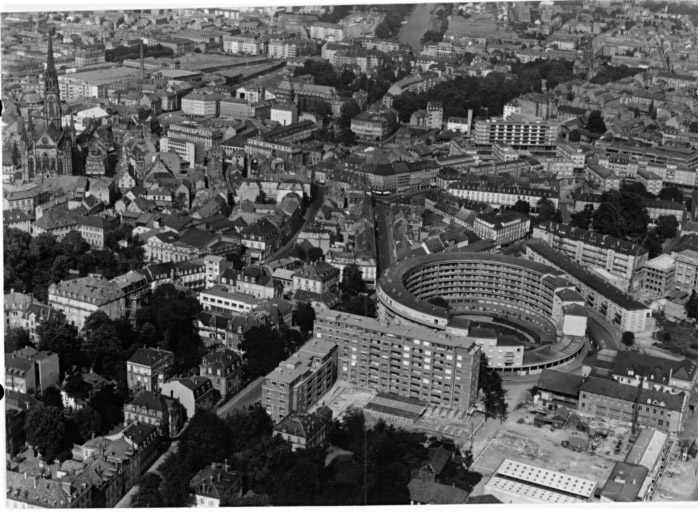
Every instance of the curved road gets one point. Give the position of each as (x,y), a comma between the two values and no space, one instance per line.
(417,24)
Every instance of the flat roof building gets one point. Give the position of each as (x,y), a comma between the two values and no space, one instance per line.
(520,483)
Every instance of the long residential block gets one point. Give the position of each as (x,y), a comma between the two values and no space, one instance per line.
(411,361)
(617,307)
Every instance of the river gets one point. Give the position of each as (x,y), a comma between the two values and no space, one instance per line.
(417,24)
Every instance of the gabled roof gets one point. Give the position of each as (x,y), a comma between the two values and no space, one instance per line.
(560,382)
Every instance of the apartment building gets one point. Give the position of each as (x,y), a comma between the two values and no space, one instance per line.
(195,393)
(154,408)
(653,183)
(601,178)
(411,361)
(79,298)
(203,134)
(301,380)
(224,369)
(517,131)
(326,31)
(185,149)
(261,239)
(617,307)
(241,45)
(686,276)
(502,195)
(573,152)
(201,105)
(290,49)
(604,398)
(29,371)
(374,127)
(317,277)
(254,280)
(25,312)
(306,430)
(284,113)
(658,207)
(225,300)
(659,276)
(148,368)
(505,228)
(620,257)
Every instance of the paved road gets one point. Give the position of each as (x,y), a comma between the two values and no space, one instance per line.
(602,335)
(384,236)
(248,396)
(417,24)
(125,502)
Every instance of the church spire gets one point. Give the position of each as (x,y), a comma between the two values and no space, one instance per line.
(52,99)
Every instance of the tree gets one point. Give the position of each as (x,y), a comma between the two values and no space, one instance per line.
(628,339)
(691,306)
(693,127)
(653,243)
(582,219)
(16,339)
(148,495)
(305,316)
(671,193)
(574,136)
(101,346)
(522,207)
(169,319)
(300,253)
(596,122)
(352,282)
(315,254)
(667,226)
(248,427)
(432,36)
(55,335)
(322,110)
(45,427)
(349,110)
(52,397)
(263,349)
(88,423)
(547,211)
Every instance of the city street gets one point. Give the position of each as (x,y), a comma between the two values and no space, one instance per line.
(248,396)
(384,236)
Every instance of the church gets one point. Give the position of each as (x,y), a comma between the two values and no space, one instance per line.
(46,146)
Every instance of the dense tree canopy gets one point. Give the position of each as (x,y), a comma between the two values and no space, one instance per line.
(582,219)
(596,124)
(494,395)
(169,321)
(263,349)
(46,429)
(621,214)
(491,92)
(16,339)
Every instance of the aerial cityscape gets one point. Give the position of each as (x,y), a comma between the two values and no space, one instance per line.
(389,254)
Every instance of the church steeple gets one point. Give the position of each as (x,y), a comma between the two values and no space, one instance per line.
(52,99)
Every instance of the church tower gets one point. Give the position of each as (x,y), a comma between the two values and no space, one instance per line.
(52,98)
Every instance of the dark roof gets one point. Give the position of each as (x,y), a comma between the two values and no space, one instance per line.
(138,432)
(591,238)
(581,274)
(300,425)
(196,237)
(560,382)
(613,389)
(652,368)
(216,482)
(220,359)
(152,400)
(148,356)
(392,281)
(624,482)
